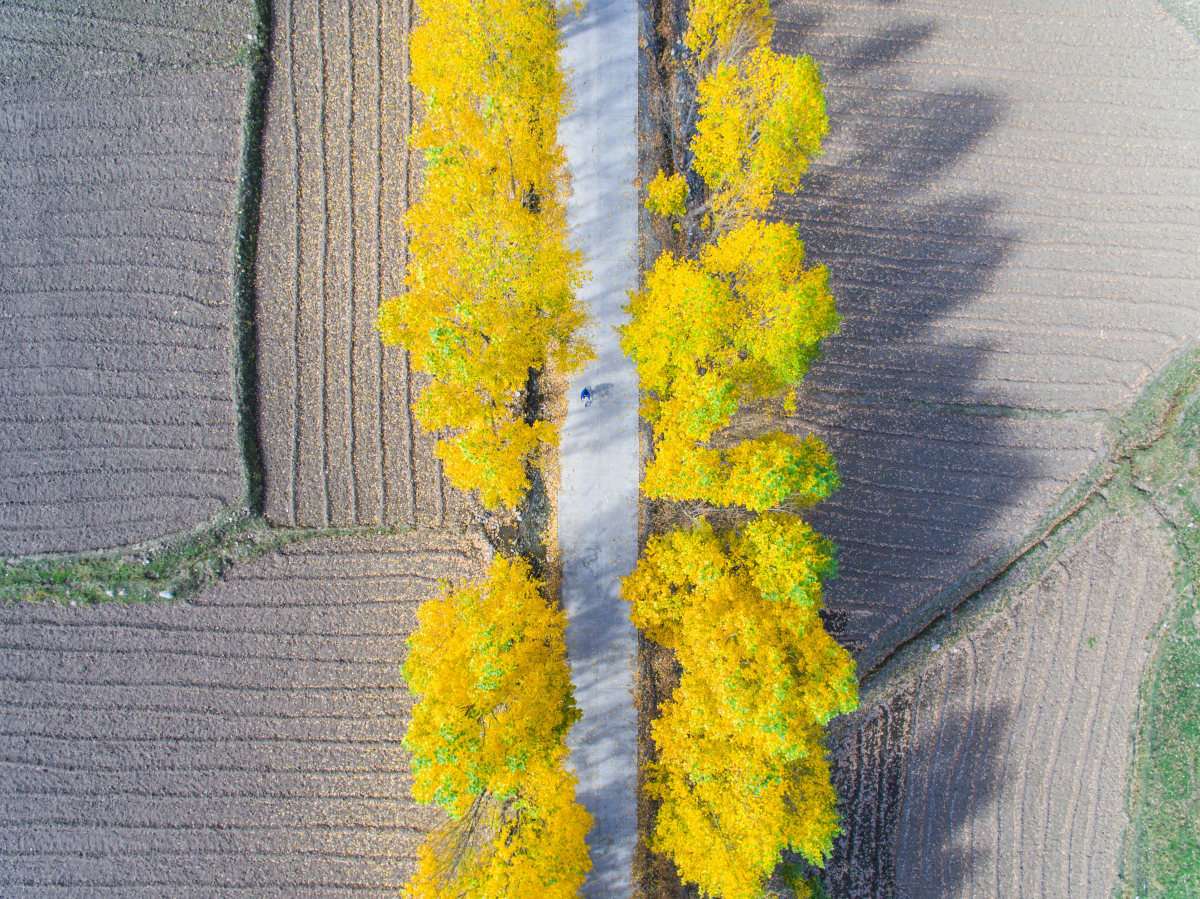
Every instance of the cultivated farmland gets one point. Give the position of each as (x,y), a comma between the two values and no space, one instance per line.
(1000,768)
(120,136)
(246,742)
(339,442)
(1009,207)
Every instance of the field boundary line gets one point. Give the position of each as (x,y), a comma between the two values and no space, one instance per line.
(350,253)
(377,203)
(245,268)
(1103,490)
(297,252)
(323,280)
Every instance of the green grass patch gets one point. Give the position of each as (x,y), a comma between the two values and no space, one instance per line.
(172,568)
(1187,13)
(1163,849)
(1162,853)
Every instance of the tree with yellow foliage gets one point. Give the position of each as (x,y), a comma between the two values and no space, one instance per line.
(530,845)
(738,325)
(490,298)
(741,773)
(490,293)
(732,317)
(722,31)
(759,473)
(746,309)
(761,121)
(488,665)
(751,121)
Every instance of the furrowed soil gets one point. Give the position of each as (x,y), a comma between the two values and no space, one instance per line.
(1001,766)
(245,743)
(120,134)
(340,445)
(1009,207)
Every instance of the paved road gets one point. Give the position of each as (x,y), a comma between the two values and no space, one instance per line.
(597,525)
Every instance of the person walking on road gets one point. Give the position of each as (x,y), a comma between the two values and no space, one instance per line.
(586,396)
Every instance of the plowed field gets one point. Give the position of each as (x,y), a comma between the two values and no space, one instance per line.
(62,39)
(1001,768)
(118,185)
(245,743)
(339,441)
(1010,209)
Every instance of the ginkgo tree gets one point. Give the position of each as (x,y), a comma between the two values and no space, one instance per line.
(488,736)
(730,315)
(741,772)
(752,121)
(490,290)
(738,325)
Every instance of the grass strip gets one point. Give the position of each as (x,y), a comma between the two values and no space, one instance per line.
(1187,13)
(172,568)
(245,297)
(1162,847)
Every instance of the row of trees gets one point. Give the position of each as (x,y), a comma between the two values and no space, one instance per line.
(741,771)
(488,737)
(490,292)
(723,330)
(731,317)
(489,304)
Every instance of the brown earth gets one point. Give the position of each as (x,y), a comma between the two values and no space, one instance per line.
(339,442)
(118,190)
(1010,210)
(62,39)
(244,743)
(1001,767)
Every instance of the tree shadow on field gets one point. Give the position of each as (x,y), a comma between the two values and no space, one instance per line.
(925,480)
(910,789)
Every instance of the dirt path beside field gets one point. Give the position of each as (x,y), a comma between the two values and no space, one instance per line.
(245,743)
(340,445)
(119,132)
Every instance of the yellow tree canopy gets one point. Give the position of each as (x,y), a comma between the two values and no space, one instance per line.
(725,828)
(488,738)
(533,845)
(762,118)
(759,473)
(747,310)
(490,290)
(741,773)
(488,665)
(722,30)
(491,457)
(494,91)
(490,294)
(743,606)
(742,323)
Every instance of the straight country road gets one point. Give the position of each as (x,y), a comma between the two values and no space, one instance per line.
(597,519)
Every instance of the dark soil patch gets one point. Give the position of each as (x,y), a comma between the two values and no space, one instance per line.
(115,276)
